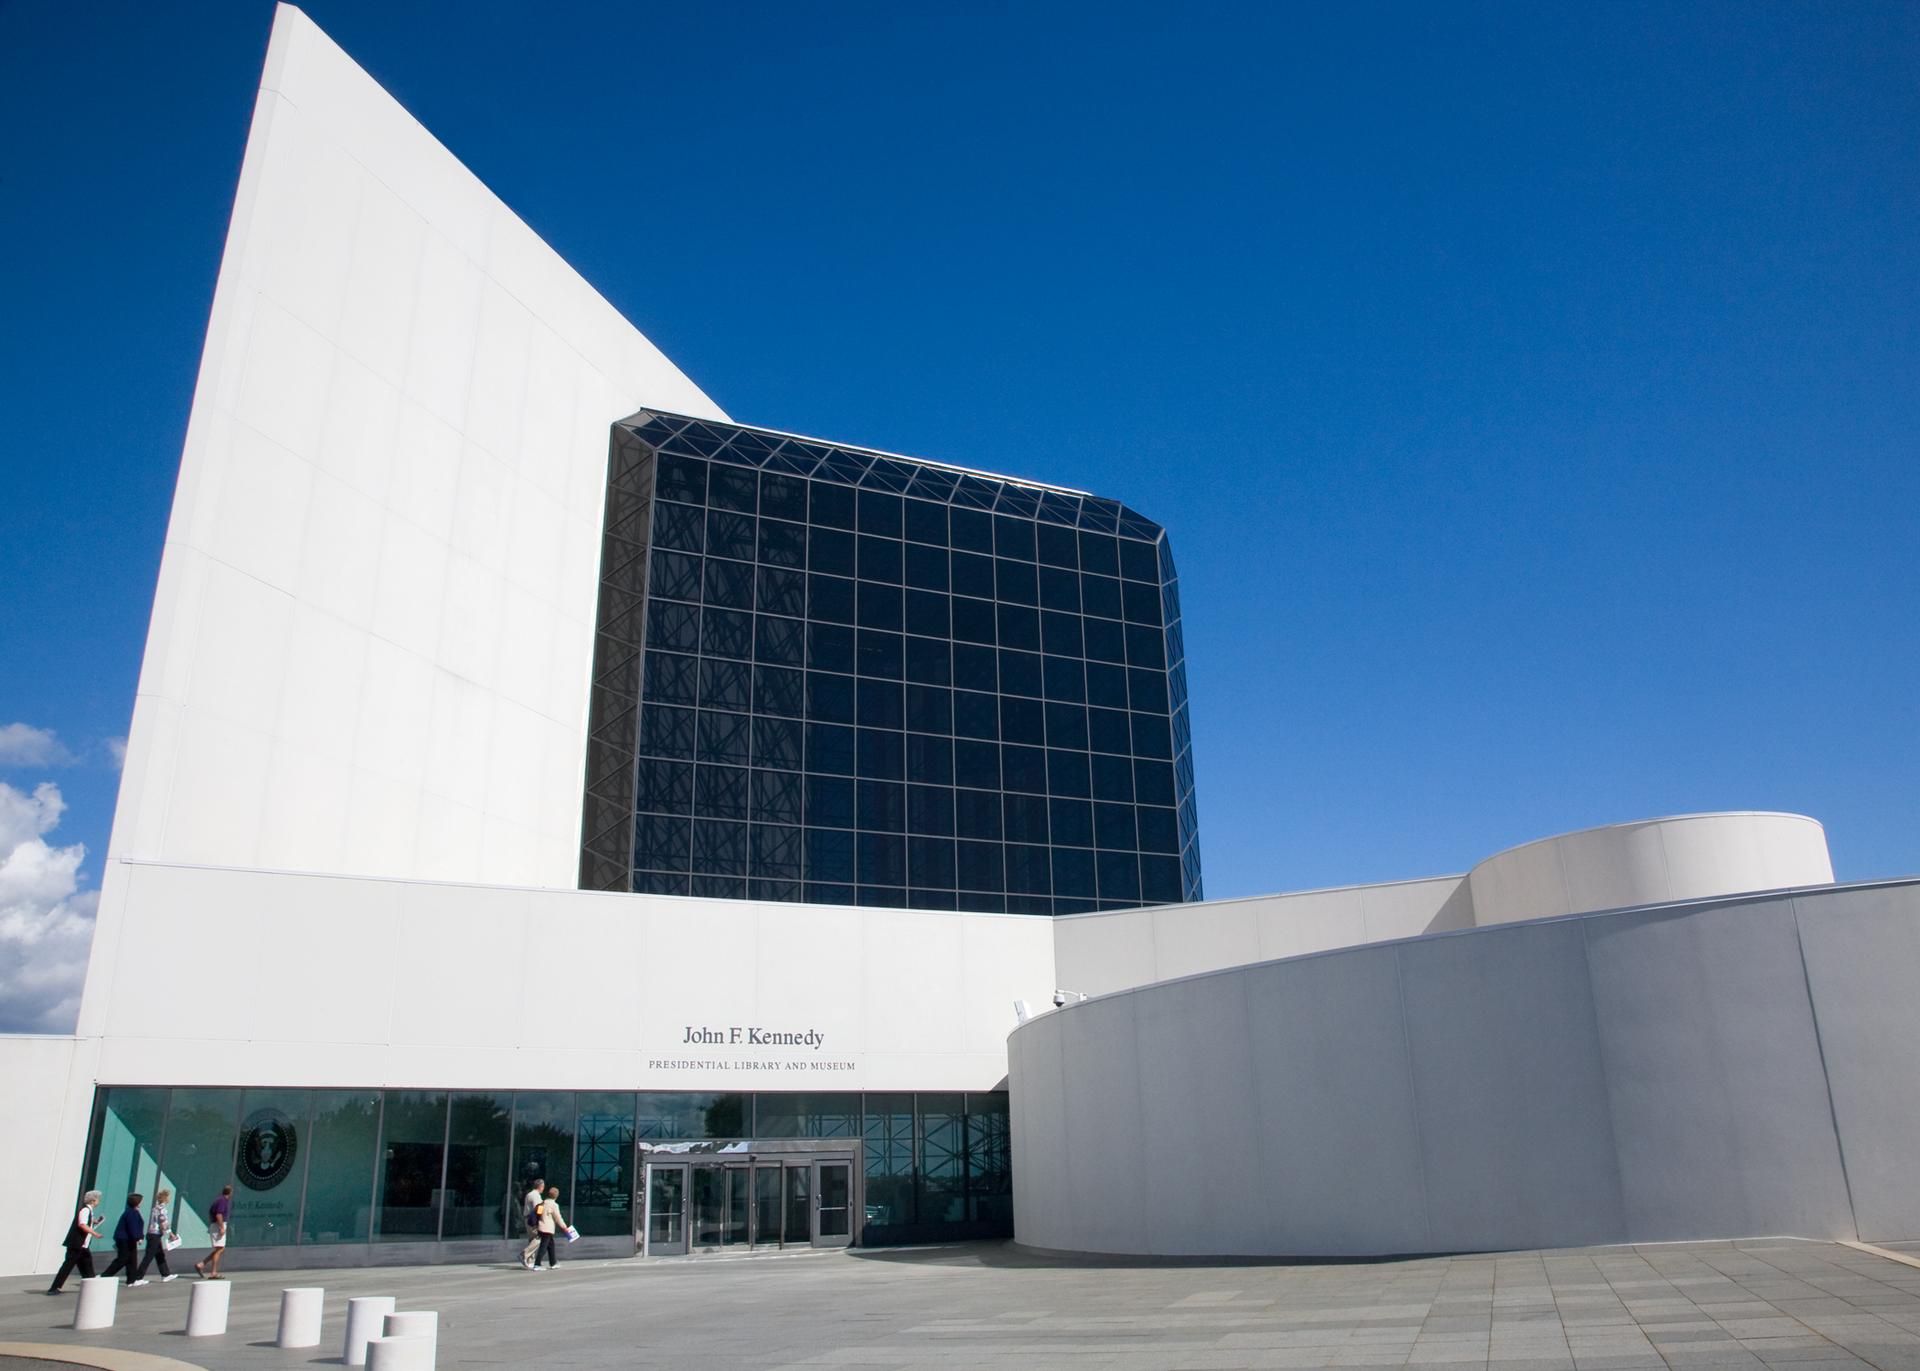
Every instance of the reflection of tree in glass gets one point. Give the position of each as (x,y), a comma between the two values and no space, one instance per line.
(726,1116)
(477,1184)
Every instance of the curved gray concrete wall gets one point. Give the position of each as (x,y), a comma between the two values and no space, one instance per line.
(1729,1068)
(1652,861)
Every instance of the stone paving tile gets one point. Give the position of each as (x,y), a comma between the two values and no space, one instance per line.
(1775,1303)
(1770,1327)
(1816,1353)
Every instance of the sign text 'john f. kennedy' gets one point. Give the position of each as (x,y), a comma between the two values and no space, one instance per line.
(736,1035)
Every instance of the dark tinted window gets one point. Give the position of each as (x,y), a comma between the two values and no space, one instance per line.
(862,679)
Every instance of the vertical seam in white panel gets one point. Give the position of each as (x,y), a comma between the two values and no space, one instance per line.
(1064,1152)
(1826,1076)
(1413,1099)
(1606,1083)
(1247,1088)
(1147,1236)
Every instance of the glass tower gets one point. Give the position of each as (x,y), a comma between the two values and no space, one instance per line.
(828,674)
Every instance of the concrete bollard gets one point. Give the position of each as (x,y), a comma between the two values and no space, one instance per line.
(300,1310)
(207,1309)
(400,1352)
(98,1297)
(366,1316)
(409,1323)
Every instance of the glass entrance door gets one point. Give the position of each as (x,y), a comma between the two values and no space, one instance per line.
(666,1210)
(833,1217)
(709,1206)
(722,1206)
(739,1202)
(799,1205)
(791,1195)
(767,1211)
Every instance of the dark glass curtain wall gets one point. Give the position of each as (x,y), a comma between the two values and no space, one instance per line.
(321,1167)
(832,675)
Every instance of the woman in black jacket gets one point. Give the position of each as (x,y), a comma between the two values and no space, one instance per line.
(79,1233)
(126,1242)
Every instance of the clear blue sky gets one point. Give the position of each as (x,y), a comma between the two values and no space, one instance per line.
(1531,392)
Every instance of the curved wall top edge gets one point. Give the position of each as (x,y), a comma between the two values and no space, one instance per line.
(1628,825)
(1354,887)
(1652,861)
(1699,903)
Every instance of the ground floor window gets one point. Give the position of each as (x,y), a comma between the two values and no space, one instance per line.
(319,1167)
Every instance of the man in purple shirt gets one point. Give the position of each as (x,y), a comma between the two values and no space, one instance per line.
(209,1267)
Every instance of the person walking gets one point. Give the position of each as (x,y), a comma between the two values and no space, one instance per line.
(209,1265)
(126,1242)
(159,1234)
(79,1233)
(530,1212)
(550,1223)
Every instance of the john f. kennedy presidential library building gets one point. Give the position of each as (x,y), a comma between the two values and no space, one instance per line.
(775,843)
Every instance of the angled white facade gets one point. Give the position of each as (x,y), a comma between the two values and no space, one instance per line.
(353,794)
(372,632)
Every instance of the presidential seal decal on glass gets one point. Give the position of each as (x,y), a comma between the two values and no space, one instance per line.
(268,1144)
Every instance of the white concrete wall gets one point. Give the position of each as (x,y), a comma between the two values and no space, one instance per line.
(336,981)
(1693,856)
(1098,953)
(373,629)
(1688,857)
(1716,1069)
(43,1138)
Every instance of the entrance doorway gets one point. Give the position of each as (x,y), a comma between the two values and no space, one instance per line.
(740,1197)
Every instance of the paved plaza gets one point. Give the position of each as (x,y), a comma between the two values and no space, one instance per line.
(1784,1303)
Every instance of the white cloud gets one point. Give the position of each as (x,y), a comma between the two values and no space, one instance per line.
(25,745)
(46,920)
(117,751)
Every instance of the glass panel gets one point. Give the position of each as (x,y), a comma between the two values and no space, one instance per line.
(888,1150)
(413,1153)
(198,1161)
(543,1144)
(709,1205)
(686,1115)
(269,1165)
(806,1116)
(479,1192)
(341,1145)
(739,1181)
(943,1144)
(603,1197)
(127,1150)
(766,1205)
(989,1161)
(665,1218)
(834,1187)
(799,1191)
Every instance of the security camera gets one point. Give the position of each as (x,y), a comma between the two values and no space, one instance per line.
(1059,999)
